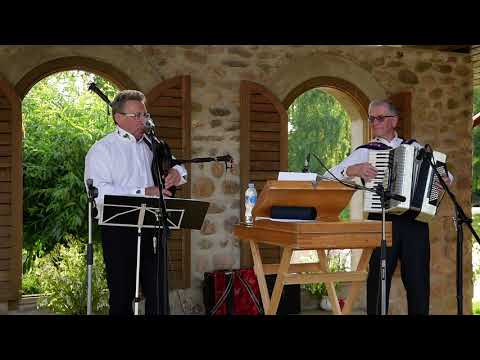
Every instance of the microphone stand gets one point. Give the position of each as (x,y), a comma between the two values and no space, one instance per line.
(459,219)
(163,235)
(92,194)
(384,197)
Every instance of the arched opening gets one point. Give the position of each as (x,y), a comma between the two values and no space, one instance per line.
(91,69)
(335,102)
(354,102)
(61,120)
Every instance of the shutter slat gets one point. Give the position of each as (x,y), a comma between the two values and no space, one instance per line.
(5,115)
(263,175)
(5,139)
(264,146)
(263,126)
(4,104)
(163,111)
(264,136)
(265,165)
(5,127)
(5,174)
(264,117)
(265,155)
(264,108)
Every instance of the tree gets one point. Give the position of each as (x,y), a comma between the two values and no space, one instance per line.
(62,120)
(317,124)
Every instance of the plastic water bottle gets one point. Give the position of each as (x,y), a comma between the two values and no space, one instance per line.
(250,200)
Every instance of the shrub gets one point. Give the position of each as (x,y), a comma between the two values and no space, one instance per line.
(30,284)
(62,275)
(62,120)
(337,261)
(476,308)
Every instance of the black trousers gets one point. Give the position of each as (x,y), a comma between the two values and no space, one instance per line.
(120,257)
(410,245)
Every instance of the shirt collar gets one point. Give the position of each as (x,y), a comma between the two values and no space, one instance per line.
(125,135)
(394,142)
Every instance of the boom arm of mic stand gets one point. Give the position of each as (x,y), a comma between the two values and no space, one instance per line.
(224,158)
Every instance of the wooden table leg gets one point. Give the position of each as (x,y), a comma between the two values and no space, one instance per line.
(258,268)
(355,286)
(279,282)
(332,293)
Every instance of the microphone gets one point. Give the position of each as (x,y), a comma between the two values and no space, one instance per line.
(421,154)
(226,158)
(92,194)
(149,126)
(306,164)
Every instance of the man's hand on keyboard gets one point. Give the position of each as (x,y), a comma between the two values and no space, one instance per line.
(364,170)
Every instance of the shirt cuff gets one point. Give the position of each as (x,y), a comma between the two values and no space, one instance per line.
(183,173)
(140,191)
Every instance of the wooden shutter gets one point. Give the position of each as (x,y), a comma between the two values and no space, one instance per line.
(11,203)
(403,102)
(263,150)
(170,106)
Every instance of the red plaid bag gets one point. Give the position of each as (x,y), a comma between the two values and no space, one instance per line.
(234,292)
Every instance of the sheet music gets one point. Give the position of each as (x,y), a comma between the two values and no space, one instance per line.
(284,220)
(296,176)
(156,197)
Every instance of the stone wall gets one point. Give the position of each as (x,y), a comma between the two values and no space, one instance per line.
(441,89)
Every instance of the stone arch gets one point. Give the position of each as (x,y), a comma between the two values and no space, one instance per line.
(351,85)
(107,71)
(289,76)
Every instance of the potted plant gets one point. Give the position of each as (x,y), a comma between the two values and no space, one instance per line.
(337,261)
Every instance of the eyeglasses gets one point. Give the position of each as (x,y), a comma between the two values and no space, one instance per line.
(137,115)
(380,118)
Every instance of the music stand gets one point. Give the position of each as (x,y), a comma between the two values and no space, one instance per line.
(143,212)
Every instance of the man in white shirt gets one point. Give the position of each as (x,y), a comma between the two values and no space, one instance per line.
(410,240)
(120,164)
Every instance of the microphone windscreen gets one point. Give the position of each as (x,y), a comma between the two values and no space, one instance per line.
(148,126)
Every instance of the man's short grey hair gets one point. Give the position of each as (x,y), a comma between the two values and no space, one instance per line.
(392,109)
(122,97)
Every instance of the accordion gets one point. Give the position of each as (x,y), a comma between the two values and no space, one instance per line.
(401,173)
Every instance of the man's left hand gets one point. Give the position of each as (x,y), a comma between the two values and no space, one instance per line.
(173,178)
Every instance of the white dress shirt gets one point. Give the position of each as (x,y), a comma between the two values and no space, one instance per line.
(361,156)
(118,164)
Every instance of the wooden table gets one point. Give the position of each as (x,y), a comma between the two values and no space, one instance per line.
(315,235)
